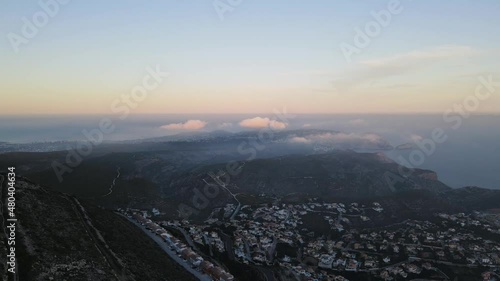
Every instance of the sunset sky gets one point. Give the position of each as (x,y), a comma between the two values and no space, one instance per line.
(257,56)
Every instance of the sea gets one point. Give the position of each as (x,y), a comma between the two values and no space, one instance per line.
(468,156)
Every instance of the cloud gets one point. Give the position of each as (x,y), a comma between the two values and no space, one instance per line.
(345,137)
(188,125)
(416,138)
(300,140)
(259,122)
(225,125)
(370,71)
(415,58)
(341,139)
(358,122)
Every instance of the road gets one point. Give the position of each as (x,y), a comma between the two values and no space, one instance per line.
(228,243)
(238,208)
(186,236)
(223,185)
(267,272)
(119,270)
(113,183)
(456,264)
(164,246)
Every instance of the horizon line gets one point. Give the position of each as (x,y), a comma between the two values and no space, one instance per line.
(245,113)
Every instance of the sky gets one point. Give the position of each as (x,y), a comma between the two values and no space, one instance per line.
(242,56)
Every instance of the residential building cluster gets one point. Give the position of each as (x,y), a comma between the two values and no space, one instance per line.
(215,272)
(281,234)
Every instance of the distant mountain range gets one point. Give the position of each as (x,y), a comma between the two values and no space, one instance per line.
(301,136)
(296,163)
(339,174)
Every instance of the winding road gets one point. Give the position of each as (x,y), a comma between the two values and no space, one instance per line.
(223,185)
(113,183)
(118,268)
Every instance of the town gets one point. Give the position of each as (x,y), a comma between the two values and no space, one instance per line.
(330,241)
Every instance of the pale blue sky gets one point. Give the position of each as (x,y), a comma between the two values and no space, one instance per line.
(263,54)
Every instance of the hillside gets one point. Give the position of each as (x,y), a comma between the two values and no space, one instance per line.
(341,174)
(61,238)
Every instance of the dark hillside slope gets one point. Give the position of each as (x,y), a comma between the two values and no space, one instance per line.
(61,238)
(342,174)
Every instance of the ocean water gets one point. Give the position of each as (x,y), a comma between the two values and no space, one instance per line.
(469,156)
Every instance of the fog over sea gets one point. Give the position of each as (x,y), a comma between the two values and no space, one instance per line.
(469,156)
